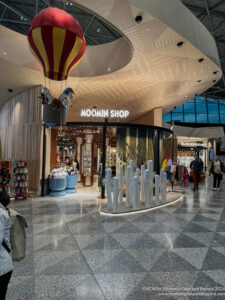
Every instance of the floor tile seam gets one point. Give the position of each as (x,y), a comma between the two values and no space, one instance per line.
(92,273)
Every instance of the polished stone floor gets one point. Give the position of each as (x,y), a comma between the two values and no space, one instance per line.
(74,253)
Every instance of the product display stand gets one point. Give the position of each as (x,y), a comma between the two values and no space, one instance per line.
(5,176)
(71,183)
(20,179)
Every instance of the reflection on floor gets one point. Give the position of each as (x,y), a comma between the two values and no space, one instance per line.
(74,253)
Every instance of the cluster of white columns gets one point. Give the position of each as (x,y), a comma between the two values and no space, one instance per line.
(140,185)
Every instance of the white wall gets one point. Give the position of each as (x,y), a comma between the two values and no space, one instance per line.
(20,132)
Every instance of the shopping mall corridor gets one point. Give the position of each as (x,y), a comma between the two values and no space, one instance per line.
(74,253)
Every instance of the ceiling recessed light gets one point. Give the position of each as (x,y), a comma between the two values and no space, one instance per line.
(199,80)
(201,60)
(180,44)
(138,19)
(10,90)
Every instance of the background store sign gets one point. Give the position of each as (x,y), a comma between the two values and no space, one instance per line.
(193,144)
(104,113)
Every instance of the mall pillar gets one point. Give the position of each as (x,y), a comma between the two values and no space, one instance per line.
(153,117)
(43,162)
(88,148)
(103,157)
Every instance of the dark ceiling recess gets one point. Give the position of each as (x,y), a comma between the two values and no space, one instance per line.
(212,14)
(17,15)
(138,19)
(180,44)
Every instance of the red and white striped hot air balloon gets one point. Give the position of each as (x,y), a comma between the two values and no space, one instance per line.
(57,41)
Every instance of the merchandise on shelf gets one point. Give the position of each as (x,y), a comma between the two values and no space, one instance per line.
(87,163)
(20,179)
(5,176)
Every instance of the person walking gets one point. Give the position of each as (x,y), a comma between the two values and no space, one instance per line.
(6,262)
(196,168)
(217,170)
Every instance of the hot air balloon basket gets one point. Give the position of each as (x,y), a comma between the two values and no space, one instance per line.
(55,113)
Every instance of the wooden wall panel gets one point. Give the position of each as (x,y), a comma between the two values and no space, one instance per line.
(20,132)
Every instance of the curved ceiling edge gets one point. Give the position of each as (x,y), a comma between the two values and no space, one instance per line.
(185,23)
(98,60)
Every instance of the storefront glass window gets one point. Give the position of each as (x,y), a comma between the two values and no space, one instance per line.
(222,119)
(178,117)
(214,118)
(213,108)
(201,108)
(167,117)
(202,118)
(198,110)
(178,109)
(222,108)
(189,107)
(189,118)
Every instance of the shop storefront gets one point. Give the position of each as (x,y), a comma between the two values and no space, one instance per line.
(187,148)
(92,147)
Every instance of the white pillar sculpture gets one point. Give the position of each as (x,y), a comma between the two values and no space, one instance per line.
(128,186)
(151,174)
(146,189)
(163,188)
(142,183)
(136,193)
(131,164)
(115,194)
(121,184)
(157,185)
(137,173)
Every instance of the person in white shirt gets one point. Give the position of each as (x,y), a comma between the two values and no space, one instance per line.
(217,171)
(6,263)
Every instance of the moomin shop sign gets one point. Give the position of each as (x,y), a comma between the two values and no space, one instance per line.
(104,113)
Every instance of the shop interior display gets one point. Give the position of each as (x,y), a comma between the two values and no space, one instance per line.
(57,182)
(58,173)
(87,163)
(20,179)
(63,180)
(5,176)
